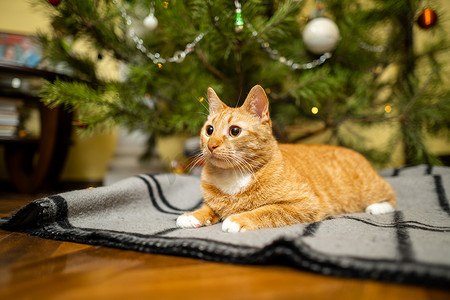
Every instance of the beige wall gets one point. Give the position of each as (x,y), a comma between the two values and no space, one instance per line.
(88,157)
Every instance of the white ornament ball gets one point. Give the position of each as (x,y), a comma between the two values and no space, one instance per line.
(321,35)
(151,22)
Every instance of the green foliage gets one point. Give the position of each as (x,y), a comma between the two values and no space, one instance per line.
(347,89)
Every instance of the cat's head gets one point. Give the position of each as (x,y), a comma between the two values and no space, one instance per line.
(238,137)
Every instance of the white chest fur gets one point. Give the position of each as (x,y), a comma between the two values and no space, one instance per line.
(230,181)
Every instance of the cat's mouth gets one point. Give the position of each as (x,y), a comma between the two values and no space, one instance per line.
(220,160)
(216,157)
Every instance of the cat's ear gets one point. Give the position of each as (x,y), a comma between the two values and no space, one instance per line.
(257,103)
(215,104)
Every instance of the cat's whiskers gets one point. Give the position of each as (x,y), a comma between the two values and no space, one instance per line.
(244,166)
(196,159)
(239,168)
(202,113)
(255,177)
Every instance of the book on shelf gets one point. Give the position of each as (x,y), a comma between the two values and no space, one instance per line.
(6,130)
(10,117)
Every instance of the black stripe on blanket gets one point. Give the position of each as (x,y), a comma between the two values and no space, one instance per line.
(152,197)
(311,229)
(396,171)
(404,247)
(167,203)
(161,194)
(443,201)
(406,224)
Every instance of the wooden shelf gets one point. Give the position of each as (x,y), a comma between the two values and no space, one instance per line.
(17,139)
(34,163)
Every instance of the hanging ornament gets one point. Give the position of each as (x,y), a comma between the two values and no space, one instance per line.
(321,35)
(239,22)
(81,125)
(151,22)
(54,2)
(317,12)
(427,19)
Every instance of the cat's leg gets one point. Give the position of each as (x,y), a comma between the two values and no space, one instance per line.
(274,215)
(379,208)
(198,218)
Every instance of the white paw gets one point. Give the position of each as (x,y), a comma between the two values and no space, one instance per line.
(379,208)
(229,226)
(188,222)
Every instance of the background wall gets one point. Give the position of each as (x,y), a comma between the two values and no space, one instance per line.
(88,157)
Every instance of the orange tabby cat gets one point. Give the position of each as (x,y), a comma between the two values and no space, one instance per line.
(249,181)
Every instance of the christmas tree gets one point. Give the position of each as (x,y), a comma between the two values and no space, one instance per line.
(329,67)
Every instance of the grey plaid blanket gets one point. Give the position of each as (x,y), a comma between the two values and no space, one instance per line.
(411,245)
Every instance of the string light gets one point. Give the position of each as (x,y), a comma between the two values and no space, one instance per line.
(179,56)
(388,108)
(314,110)
(275,55)
(239,22)
(372,48)
(156,58)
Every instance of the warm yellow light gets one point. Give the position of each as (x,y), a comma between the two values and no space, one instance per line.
(160,66)
(388,108)
(201,99)
(268,91)
(314,110)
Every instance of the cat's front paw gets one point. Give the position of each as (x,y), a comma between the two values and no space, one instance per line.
(188,221)
(230,226)
(203,216)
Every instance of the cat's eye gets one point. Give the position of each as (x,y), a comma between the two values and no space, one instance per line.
(209,130)
(235,131)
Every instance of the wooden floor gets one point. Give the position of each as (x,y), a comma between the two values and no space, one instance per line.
(34,268)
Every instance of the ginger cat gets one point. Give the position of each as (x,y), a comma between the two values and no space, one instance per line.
(249,181)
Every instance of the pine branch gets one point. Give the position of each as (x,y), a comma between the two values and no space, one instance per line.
(416,96)
(280,15)
(214,23)
(209,67)
(91,30)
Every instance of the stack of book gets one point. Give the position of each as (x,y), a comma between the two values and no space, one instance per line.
(9,117)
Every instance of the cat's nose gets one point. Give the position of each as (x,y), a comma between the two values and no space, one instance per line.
(212,147)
